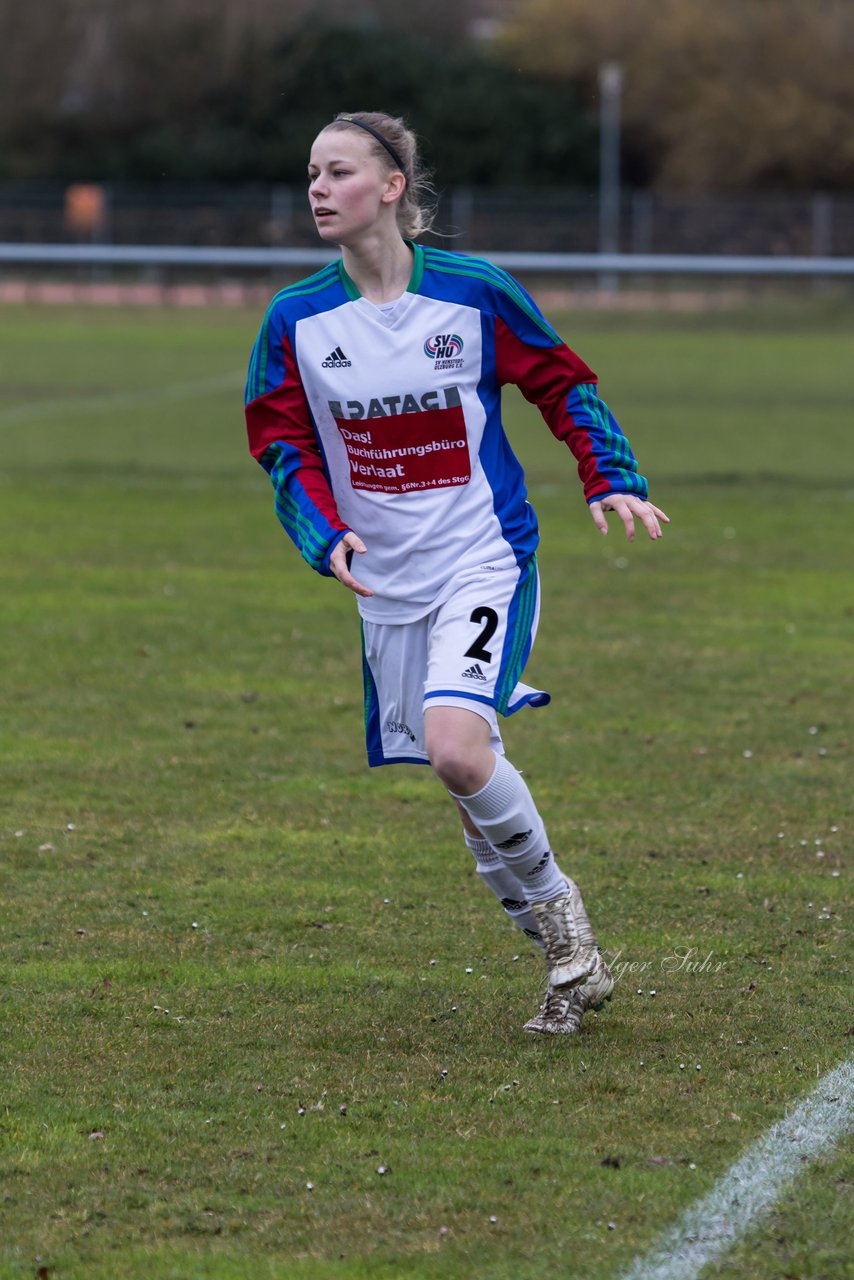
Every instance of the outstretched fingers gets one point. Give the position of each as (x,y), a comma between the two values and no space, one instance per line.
(628,508)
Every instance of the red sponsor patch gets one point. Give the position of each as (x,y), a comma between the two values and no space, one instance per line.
(408,451)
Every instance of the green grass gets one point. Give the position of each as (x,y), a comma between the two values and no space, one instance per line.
(219,925)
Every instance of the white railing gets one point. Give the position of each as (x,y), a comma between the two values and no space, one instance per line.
(121,255)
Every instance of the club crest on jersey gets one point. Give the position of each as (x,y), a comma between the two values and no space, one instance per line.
(445,349)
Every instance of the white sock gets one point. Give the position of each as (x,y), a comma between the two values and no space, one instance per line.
(503,883)
(505,814)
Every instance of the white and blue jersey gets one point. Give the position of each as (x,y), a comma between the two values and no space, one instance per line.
(386,420)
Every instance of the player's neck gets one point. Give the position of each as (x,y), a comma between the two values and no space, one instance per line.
(380,268)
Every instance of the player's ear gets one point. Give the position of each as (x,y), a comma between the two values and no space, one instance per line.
(395,186)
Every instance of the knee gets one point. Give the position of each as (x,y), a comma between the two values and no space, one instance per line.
(458,746)
(461,770)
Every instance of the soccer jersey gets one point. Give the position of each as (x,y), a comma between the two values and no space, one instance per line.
(386,420)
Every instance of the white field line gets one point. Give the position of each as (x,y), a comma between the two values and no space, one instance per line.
(115,401)
(710,1227)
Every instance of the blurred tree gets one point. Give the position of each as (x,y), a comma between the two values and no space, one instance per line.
(479,122)
(95,72)
(185,89)
(735,94)
(738,94)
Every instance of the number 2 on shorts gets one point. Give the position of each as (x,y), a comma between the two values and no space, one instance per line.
(490,618)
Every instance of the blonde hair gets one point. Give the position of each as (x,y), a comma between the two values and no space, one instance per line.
(390,142)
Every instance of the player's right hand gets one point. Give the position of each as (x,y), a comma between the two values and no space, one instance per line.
(339,563)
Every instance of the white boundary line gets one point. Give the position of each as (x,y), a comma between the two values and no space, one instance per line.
(710,1227)
(170,393)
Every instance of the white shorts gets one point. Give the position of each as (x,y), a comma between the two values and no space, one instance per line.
(469,652)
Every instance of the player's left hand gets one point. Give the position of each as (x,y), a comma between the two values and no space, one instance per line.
(628,507)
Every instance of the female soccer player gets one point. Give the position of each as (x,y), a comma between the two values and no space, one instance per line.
(374,404)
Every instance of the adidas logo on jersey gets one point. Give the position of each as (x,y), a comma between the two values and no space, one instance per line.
(336,360)
(474,673)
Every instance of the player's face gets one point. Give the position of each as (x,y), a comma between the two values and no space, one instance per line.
(348,189)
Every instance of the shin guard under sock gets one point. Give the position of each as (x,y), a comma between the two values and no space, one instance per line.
(505,814)
(505,886)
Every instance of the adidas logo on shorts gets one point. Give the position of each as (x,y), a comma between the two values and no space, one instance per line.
(474,673)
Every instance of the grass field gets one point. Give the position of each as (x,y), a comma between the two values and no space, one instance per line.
(242,975)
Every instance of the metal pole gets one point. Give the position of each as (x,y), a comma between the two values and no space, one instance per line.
(822,232)
(610,90)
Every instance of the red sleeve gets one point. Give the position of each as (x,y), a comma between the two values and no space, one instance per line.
(282,416)
(562,386)
(545,375)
